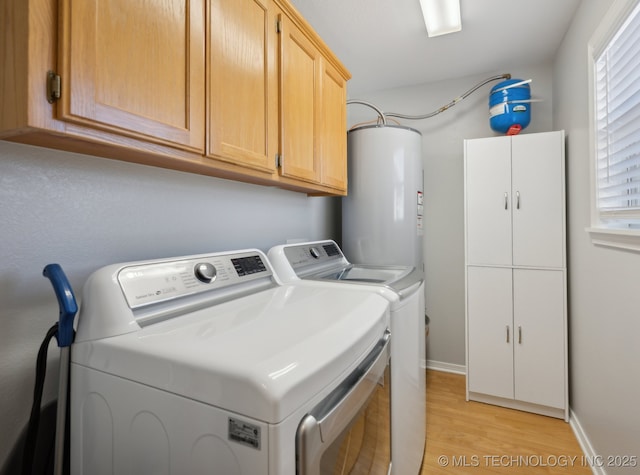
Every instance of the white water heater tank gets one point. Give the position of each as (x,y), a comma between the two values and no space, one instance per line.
(382,215)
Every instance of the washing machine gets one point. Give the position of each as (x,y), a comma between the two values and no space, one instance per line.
(206,364)
(322,264)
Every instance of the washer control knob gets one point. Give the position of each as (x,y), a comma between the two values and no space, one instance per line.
(205,272)
(314,252)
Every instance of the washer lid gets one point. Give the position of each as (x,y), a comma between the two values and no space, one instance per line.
(404,281)
(262,356)
(371,274)
(324,261)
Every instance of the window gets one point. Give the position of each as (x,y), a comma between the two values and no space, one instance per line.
(614,57)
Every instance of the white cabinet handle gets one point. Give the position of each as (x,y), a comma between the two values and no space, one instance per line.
(507,333)
(520,335)
(506,200)
(517,200)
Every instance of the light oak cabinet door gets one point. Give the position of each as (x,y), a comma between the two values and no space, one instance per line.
(135,68)
(333,128)
(243,83)
(299,104)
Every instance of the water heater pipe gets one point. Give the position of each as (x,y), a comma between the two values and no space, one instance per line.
(383,116)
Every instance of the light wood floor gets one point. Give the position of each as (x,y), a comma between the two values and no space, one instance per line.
(474,438)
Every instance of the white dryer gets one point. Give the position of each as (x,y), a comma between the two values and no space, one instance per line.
(322,264)
(206,365)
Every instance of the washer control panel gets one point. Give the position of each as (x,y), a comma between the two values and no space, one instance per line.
(150,283)
(320,253)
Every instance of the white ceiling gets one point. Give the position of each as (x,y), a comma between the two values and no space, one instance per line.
(384,43)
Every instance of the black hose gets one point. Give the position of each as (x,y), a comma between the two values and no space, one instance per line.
(34,420)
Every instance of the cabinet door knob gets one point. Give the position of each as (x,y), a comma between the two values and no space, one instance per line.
(507,333)
(506,200)
(517,200)
(520,335)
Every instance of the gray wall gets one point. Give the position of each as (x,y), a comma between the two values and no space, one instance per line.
(442,149)
(604,302)
(85,212)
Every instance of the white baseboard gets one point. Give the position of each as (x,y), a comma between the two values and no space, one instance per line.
(446,367)
(585,444)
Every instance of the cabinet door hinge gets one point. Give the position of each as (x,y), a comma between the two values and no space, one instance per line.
(278,160)
(53,87)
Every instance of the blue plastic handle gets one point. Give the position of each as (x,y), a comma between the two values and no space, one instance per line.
(66,301)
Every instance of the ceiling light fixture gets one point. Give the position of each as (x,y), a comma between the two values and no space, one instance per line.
(441,16)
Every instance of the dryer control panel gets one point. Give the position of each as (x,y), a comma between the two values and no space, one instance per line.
(149,283)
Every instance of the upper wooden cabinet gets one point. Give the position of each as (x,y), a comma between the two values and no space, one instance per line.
(135,71)
(239,89)
(333,123)
(242,83)
(276,101)
(300,104)
(313,94)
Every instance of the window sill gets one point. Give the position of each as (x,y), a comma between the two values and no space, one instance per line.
(617,238)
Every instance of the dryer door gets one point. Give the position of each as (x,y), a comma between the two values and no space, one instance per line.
(349,431)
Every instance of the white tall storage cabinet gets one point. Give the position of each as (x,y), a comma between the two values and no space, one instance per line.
(516,298)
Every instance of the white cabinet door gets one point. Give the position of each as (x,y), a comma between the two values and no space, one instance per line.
(514,193)
(516,334)
(488,201)
(538,199)
(539,338)
(490,331)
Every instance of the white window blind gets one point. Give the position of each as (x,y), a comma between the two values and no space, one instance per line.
(617,124)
